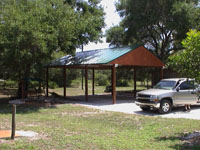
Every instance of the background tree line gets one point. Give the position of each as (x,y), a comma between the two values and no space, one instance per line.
(161,26)
(34,32)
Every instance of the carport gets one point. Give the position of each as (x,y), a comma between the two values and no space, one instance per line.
(111,58)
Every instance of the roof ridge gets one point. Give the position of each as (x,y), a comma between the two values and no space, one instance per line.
(107,48)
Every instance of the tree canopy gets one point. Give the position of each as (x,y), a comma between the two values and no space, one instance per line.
(187,62)
(160,25)
(32,30)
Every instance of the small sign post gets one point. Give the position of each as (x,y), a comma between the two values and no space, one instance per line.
(14,103)
(13,121)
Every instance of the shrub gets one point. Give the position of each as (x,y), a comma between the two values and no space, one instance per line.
(102,80)
(11,84)
(52,85)
(121,82)
(76,83)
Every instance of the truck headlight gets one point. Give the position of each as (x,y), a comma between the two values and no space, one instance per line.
(154,98)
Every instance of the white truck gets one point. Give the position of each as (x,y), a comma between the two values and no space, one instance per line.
(169,93)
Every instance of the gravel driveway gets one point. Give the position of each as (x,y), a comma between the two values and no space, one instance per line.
(128,106)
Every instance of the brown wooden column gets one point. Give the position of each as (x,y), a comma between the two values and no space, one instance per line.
(161,73)
(22,85)
(47,81)
(64,82)
(114,84)
(112,81)
(86,83)
(152,81)
(135,82)
(93,81)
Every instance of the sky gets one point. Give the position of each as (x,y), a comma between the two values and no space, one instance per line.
(111,19)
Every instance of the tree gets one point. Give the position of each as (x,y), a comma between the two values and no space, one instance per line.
(115,36)
(89,22)
(160,25)
(32,30)
(187,62)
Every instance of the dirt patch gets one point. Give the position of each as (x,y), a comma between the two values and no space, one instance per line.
(6,134)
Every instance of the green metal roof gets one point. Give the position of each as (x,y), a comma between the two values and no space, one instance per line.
(100,56)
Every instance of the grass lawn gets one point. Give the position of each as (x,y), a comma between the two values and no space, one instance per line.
(72,127)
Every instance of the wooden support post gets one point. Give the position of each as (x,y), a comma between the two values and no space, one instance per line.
(64,82)
(82,70)
(161,73)
(22,89)
(112,81)
(135,82)
(82,79)
(86,83)
(114,84)
(152,79)
(13,121)
(47,82)
(93,81)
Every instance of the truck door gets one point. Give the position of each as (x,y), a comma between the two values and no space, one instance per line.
(186,94)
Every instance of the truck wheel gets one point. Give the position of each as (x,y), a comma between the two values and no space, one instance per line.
(165,106)
(145,108)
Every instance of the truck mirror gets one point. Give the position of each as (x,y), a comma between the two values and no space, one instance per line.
(178,89)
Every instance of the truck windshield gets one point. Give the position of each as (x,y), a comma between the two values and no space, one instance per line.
(167,85)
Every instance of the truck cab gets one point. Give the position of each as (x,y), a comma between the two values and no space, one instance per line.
(169,93)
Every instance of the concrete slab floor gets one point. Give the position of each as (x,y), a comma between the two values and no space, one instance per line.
(127,105)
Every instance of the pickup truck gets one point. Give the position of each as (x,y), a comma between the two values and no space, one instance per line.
(169,93)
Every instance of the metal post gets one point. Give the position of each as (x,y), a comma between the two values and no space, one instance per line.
(13,121)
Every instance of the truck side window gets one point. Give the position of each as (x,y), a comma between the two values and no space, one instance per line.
(187,85)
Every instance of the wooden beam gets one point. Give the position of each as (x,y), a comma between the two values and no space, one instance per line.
(47,82)
(114,84)
(86,83)
(97,67)
(64,82)
(93,75)
(135,82)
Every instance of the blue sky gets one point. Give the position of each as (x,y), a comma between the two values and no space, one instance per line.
(111,18)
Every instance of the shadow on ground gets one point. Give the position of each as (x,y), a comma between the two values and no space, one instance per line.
(31,105)
(22,109)
(100,100)
(184,145)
